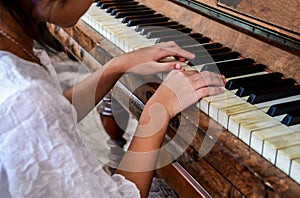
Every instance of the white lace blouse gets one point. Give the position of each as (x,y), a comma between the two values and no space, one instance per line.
(41,154)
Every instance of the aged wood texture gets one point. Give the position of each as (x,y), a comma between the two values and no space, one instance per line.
(281,13)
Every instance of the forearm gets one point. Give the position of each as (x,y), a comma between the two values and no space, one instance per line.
(140,160)
(88,93)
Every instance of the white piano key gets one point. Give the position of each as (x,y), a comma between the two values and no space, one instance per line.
(272,145)
(214,106)
(246,118)
(285,157)
(204,102)
(225,113)
(280,117)
(295,127)
(295,170)
(258,137)
(246,130)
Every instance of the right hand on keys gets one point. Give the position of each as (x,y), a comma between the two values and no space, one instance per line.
(182,88)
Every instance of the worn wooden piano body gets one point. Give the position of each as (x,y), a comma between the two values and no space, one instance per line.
(231,168)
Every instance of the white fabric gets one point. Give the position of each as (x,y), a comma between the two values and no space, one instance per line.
(41,154)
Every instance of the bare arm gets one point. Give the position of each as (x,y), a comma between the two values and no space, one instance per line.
(139,162)
(85,95)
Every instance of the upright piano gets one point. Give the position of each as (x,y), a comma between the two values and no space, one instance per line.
(243,143)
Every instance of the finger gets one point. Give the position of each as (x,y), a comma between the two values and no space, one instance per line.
(209,91)
(168,66)
(182,52)
(208,79)
(177,50)
(178,66)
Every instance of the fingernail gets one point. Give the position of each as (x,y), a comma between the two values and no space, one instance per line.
(177,66)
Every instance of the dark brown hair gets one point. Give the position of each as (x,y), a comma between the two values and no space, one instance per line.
(35,29)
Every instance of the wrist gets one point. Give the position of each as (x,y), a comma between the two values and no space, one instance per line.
(153,121)
(122,63)
(168,99)
(163,103)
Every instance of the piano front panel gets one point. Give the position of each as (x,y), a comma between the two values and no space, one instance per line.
(231,167)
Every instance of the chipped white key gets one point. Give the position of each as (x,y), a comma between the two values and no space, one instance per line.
(272,145)
(258,137)
(295,170)
(285,157)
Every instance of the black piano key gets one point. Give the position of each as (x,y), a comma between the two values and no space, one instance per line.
(204,52)
(230,65)
(243,71)
(185,39)
(116,9)
(191,35)
(235,67)
(126,19)
(194,41)
(211,45)
(256,86)
(236,83)
(134,13)
(215,58)
(193,48)
(100,2)
(236,63)
(107,5)
(139,27)
(292,118)
(167,32)
(135,22)
(145,30)
(274,94)
(284,108)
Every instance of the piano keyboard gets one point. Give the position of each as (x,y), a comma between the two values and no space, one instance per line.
(260,108)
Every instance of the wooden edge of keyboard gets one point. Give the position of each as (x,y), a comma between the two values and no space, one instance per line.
(230,169)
